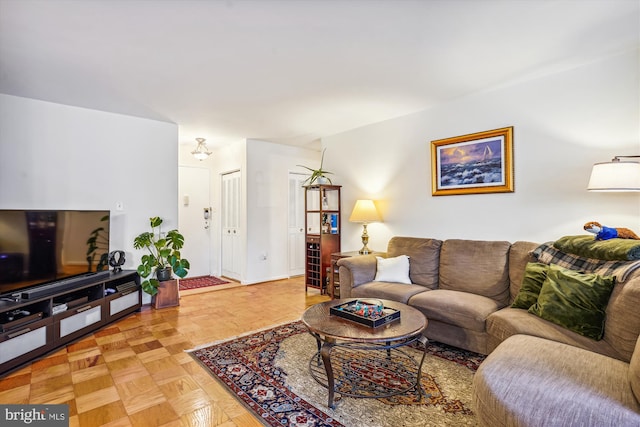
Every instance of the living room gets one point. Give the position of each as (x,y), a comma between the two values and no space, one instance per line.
(583,109)
(582,112)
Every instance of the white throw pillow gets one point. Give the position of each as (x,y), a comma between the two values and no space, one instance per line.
(393,269)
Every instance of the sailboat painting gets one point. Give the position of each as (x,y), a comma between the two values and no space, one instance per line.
(476,163)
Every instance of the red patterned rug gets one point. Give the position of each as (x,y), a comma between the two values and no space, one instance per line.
(268,371)
(200,282)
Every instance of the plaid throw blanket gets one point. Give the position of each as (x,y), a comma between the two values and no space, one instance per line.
(547,254)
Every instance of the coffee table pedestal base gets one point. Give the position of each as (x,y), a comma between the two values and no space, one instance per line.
(367,370)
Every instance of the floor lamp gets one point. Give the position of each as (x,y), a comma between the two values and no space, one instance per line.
(616,175)
(365,212)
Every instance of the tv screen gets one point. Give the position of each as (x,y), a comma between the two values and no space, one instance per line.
(40,246)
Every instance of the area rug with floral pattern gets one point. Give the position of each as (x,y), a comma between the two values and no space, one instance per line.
(269,372)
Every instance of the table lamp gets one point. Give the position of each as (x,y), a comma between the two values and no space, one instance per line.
(365,212)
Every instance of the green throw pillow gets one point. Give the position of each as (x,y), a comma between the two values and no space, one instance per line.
(534,276)
(575,300)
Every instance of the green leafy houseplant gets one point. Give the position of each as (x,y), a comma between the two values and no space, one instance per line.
(163,257)
(316,173)
(98,244)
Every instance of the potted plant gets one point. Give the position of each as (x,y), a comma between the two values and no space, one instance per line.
(317,175)
(163,259)
(98,244)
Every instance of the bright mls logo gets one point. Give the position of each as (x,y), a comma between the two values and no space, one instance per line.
(36,415)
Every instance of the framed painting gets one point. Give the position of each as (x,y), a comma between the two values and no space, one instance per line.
(473,164)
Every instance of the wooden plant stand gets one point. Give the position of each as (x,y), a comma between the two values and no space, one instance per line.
(167,296)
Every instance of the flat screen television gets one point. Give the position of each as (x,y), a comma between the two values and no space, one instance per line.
(46,246)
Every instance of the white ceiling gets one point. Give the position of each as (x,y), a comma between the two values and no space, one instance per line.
(293,71)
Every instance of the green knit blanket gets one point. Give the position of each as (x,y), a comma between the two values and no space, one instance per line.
(610,250)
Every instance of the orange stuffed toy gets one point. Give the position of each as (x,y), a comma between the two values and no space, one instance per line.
(606,233)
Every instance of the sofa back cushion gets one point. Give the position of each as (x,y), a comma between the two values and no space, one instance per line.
(478,267)
(622,322)
(424,258)
(634,371)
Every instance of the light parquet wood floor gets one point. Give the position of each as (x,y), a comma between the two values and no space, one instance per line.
(135,372)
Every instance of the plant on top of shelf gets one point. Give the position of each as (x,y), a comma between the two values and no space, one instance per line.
(98,244)
(163,257)
(317,175)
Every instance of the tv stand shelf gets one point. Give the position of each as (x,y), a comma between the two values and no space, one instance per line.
(32,326)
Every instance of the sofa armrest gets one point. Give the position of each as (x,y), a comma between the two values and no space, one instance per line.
(355,271)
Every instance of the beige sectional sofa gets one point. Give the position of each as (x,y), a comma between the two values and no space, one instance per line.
(537,373)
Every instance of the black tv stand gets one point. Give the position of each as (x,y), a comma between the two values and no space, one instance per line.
(53,315)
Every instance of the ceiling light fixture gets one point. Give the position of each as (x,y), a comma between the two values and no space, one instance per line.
(616,175)
(201,152)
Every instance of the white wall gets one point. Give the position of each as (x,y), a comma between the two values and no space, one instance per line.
(563,123)
(228,158)
(265,168)
(186,225)
(55,156)
(267,178)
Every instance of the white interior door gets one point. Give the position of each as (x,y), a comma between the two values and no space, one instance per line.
(194,190)
(296,224)
(231,230)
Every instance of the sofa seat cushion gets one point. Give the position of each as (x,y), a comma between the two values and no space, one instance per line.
(462,309)
(400,292)
(530,381)
(512,321)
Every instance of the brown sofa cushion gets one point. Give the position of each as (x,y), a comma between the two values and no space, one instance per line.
(462,309)
(515,321)
(623,316)
(424,257)
(477,267)
(400,292)
(634,371)
(528,381)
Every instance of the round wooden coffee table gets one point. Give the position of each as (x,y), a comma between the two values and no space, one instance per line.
(361,361)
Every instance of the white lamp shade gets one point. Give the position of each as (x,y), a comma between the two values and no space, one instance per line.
(615,176)
(365,212)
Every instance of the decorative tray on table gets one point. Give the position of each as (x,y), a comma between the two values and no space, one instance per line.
(368,312)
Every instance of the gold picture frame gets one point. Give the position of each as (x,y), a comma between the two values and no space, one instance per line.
(476,163)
